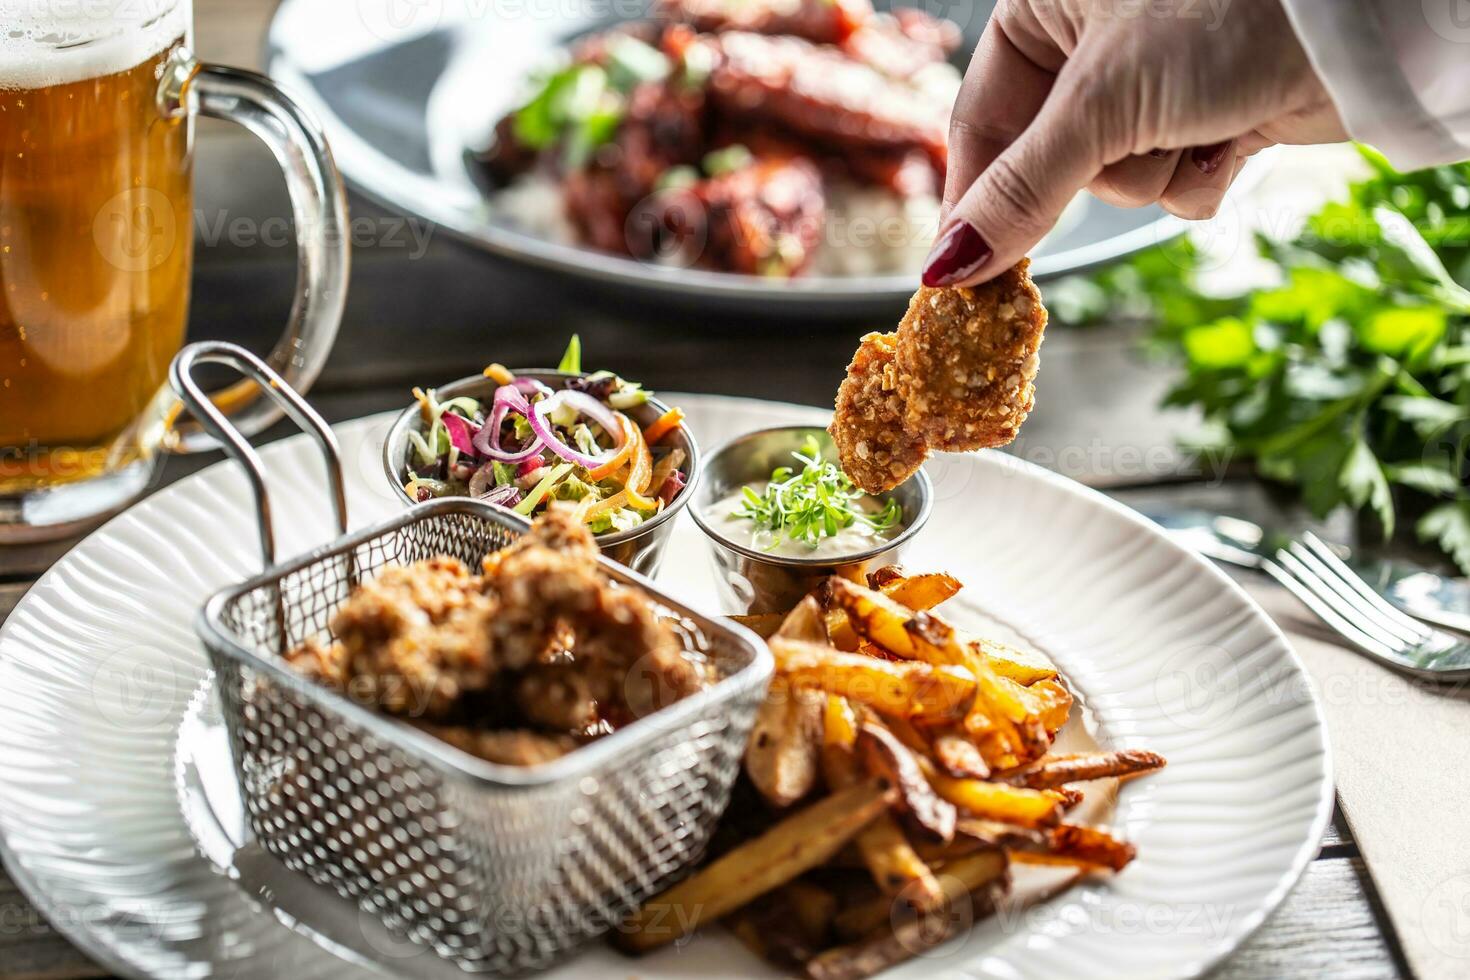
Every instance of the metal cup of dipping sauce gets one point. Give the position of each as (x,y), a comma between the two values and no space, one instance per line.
(751,576)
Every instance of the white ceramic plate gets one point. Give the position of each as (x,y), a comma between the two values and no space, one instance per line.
(99,662)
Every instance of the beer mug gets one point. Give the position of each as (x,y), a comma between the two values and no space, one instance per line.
(97,107)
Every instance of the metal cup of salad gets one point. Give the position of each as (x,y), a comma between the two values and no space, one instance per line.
(781,516)
(525,439)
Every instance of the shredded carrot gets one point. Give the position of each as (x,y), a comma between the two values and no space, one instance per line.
(629,445)
(640,473)
(663,425)
(500,374)
(611,503)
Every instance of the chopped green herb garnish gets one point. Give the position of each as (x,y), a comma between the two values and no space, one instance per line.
(815,503)
(631,62)
(571,361)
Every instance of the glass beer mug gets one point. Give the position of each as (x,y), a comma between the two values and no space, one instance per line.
(97,107)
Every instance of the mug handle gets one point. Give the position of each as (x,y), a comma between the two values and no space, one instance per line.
(319,212)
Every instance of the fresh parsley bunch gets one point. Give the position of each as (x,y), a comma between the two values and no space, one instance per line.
(1351,378)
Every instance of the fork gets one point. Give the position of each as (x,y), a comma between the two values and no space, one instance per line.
(1313,572)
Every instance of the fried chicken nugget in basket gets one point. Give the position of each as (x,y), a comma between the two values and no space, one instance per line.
(967,360)
(876,449)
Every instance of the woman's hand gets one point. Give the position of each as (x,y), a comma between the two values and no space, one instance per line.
(1136,100)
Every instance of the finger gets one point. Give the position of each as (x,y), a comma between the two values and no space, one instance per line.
(1019,197)
(1200,181)
(1135,180)
(1252,143)
(1002,92)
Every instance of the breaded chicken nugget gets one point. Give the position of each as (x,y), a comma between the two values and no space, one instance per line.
(877,451)
(966,361)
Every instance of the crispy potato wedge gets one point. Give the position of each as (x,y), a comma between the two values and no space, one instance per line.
(960,877)
(805,623)
(1056,771)
(794,846)
(1056,704)
(782,757)
(904,690)
(1021,666)
(916,592)
(884,755)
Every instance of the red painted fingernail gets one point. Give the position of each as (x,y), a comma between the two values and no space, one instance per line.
(1209,158)
(955,257)
(1158,154)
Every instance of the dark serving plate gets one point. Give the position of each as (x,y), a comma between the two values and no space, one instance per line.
(405,87)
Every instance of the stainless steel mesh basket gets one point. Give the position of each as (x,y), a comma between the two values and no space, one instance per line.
(499,869)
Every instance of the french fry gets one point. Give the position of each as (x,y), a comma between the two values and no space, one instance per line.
(905,732)
(1087,847)
(1058,770)
(794,846)
(1066,796)
(974,834)
(763,625)
(777,928)
(912,713)
(886,853)
(957,756)
(813,908)
(995,801)
(927,638)
(884,755)
(880,577)
(896,866)
(782,756)
(904,690)
(839,741)
(960,877)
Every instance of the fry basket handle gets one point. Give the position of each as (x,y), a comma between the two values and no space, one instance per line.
(214,421)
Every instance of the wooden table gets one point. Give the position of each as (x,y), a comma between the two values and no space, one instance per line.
(444,313)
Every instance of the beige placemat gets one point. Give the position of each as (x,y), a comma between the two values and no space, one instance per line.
(1399,752)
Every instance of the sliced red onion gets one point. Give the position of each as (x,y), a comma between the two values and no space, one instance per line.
(487,441)
(483,480)
(530,386)
(462,433)
(585,405)
(503,496)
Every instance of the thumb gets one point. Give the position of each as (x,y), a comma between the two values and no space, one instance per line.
(1019,197)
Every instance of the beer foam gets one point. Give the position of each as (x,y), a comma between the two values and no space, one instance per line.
(54,42)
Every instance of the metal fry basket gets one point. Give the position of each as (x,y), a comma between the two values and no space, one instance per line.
(499,869)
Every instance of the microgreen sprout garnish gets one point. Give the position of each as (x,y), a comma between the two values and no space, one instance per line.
(813,503)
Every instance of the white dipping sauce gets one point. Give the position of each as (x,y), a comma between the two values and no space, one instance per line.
(857,537)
